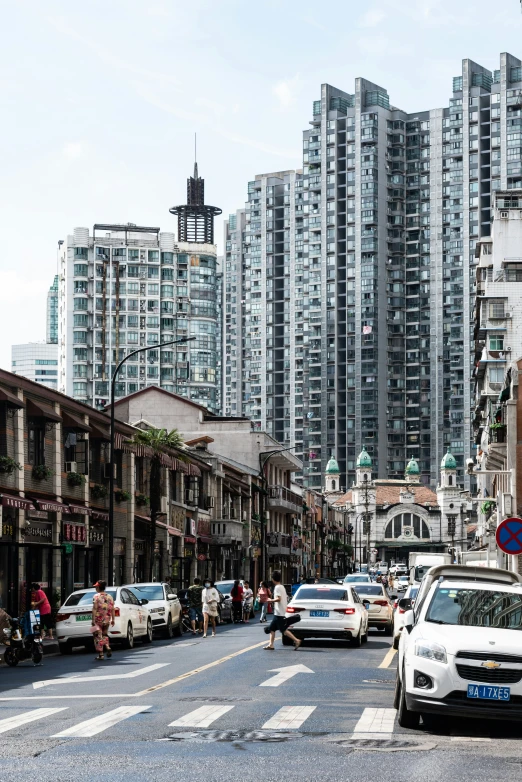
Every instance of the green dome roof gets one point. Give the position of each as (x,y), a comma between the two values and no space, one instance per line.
(332,466)
(412,468)
(364,459)
(448,462)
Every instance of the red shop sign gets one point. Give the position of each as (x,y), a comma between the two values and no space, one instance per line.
(75,533)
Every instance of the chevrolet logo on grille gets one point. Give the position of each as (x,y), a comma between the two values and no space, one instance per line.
(491,665)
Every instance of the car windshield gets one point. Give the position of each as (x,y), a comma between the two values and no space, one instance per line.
(85,598)
(357,579)
(369,589)
(150,592)
(476,608)
(320,593)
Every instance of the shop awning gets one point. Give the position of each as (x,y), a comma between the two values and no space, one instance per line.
(11,501)
(176,532)
(99,432)
(53,507)
(142,518)
(204,539)
(40,410)
(99,515)
(74,422)
(80,509)
(11,399)
(189,539)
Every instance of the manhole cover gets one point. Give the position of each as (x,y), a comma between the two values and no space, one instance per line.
(236,735)
(213,699)
(379,681)
(384,745)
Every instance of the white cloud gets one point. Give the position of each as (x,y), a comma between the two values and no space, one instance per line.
(286,91)
(73,150)
(372,18)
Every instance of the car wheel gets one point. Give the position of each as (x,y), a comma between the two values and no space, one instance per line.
(388,629)
(396,641)
(65,648)
(397,691)
(129,639)
(169,632)
(147,638)
(357,641)
(365,636)
(406,718)
(178,630)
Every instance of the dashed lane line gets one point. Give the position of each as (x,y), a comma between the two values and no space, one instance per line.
(388,658)
(28,716)
(289,717)
(100,723)
(201,718)
(375,723)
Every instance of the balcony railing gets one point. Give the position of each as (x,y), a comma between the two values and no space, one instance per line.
(226,531)
(278,544)
(281,498)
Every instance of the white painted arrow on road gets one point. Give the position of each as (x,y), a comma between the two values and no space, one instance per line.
(284,674)
(76,679)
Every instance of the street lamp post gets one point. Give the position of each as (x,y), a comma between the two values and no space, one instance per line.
(262,464)
(110,572)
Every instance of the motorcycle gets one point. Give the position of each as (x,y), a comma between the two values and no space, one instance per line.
(23,641)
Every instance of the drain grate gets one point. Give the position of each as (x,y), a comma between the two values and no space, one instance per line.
(272,736)
(384,745)
(214,699)
(379,681)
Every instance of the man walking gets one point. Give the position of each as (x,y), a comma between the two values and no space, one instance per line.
(195,602)
(280,600)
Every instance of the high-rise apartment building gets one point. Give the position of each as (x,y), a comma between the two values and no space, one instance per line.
(127,286)
(52,313)
(351,282)
(36,361)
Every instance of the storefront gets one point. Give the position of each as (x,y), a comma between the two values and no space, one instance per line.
(119,561)
(74,558)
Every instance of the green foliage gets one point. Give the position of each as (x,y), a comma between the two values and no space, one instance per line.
(158,439)
(487,507)
(41,472)
(141,499)
(9,465)
(122,496)
(75,479)
(98,492)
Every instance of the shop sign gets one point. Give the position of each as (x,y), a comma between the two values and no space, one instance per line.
(7,528)
(68,548)
(202,557)
(38,532)
(177,519)
(255,539)
(74,533)
(38,514)
(204,527)
(189,552)
(119,547)
(157,546)
(139,546)
(95,535)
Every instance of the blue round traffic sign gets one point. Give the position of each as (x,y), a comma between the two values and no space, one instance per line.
(509,536)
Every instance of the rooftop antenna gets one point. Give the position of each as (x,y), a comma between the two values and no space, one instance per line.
(195,156)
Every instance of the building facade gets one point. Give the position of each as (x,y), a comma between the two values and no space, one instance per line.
(351,282)
(52,314)
(37,361)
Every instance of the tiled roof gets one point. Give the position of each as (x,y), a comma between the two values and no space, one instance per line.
(388,493)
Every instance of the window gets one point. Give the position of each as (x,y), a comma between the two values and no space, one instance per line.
(496,309)
(80,270)
(496,374)
(36,443)
(496,343)
(407,525)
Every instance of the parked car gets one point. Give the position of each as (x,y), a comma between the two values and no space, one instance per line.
(459,653)
(163,604)
(380,611)
(328,611)
(74,619)
(399,614)
(357,578)
(402,584)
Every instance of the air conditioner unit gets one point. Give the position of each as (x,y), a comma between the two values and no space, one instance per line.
(211,502)
(507,350)
(164,505)
(508,314)
(107,471)
(190,496)
(71,467)
(504,215)
(233,513)
(244,515)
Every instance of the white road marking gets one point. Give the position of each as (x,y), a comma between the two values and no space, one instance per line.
(388,659)
(29,716)
(100,723)
(469,738)
(201,718)
(375,723)
(289,717)
(79,679)
(284,675)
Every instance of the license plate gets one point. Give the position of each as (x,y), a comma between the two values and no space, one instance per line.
(320,613)
(489,693)
(83,617)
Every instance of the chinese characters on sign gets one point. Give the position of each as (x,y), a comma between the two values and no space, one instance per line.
(75,533)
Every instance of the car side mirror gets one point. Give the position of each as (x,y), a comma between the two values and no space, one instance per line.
(405,603)
(409,620)
(143,601)
(171,596)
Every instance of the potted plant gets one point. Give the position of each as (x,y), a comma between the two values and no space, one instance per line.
(121,496)
(141,499)
(98,492)
(75,479)
(487,507)
(8,465)
(41,472)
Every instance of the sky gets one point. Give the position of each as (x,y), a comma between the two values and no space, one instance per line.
(100,102)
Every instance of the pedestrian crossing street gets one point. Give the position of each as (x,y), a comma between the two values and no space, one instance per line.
(373,722)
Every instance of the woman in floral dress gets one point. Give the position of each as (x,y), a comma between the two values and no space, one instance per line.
(102,617)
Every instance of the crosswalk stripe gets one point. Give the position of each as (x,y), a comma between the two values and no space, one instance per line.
(102,722)
(289,717)
(201,718)
(29,716)
(375,721)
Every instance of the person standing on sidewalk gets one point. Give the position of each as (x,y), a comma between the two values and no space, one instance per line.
(102,616)
(263,593)
(248,601)
(40,602)
(280,601)
(210,607)
(195,602)
(236,594)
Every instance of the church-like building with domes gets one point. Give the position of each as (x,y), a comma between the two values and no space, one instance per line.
(404,515)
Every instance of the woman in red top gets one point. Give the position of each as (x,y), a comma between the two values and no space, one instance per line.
(237,601)
(39,601)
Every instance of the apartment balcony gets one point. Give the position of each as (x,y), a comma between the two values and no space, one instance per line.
(278,544)
(282,499)
(225,532)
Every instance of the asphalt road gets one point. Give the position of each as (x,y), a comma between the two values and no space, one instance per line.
(337,722)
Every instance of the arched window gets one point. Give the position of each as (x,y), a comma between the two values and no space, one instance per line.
(407,525)
(450,480)
(333,485)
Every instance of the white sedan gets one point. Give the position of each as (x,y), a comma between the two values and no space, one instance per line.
(402,583)
(380,611)
(328,611)
(163,605)
(399,614)
(74,620)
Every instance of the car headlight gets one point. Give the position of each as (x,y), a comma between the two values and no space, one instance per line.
(430,650)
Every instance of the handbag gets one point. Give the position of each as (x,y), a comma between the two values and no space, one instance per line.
(257,604)
(292,620)
(94,629)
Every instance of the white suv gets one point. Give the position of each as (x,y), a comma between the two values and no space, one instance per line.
(460,653)
(163,606)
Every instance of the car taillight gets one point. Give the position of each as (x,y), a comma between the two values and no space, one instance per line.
(380,603)
(344,610)
(116,611)
(62,617)
(402,611)
(294,609)
(396,604)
